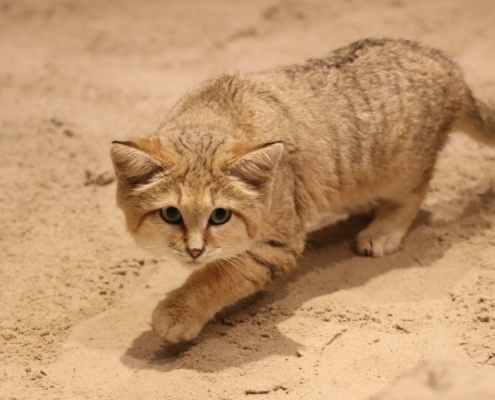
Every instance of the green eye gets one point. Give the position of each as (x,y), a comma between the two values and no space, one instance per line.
(171,215)
(220,216)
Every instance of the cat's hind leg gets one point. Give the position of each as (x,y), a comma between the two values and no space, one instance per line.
(393,217)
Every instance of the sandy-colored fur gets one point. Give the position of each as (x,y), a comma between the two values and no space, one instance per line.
(361,127)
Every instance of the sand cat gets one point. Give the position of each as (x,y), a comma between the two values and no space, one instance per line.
(246,164)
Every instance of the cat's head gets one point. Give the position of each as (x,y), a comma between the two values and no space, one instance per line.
(199,201)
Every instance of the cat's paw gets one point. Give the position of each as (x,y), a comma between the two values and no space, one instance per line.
(176,324)
(377,244)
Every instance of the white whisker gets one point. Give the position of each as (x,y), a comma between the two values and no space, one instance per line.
(225,267)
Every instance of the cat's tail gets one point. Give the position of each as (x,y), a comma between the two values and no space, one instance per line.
(478,121)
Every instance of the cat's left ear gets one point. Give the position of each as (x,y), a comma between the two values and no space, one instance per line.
(132,163)
(258,166)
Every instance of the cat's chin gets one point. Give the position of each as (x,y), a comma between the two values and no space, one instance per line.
(194,265)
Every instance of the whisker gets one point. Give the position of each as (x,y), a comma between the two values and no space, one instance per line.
(225,267)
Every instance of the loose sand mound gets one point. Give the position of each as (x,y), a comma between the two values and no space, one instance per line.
(77,294)
(442,381)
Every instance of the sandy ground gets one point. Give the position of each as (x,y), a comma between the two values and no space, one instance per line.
(77,294)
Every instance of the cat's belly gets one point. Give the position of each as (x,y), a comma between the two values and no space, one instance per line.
(357,202)
(324,219)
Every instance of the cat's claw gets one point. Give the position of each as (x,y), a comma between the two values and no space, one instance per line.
(367,252)
(373,244)
(175,325)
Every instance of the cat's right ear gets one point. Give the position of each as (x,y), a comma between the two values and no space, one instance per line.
(131,163)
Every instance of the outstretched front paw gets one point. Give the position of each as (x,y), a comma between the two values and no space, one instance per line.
(176,324)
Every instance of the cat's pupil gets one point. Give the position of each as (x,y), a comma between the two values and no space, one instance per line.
(172,212)
(220,213)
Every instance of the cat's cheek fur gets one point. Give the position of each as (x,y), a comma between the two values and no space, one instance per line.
(153,237)
(231,238)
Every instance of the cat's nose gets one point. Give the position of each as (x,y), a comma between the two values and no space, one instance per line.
(195,253)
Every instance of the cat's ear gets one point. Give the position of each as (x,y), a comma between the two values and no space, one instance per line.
(132,163)
(257,166)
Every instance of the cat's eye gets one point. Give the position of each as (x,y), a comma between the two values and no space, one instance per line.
(220,216)
(171,215)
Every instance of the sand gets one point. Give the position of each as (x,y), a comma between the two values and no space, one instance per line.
(77,293)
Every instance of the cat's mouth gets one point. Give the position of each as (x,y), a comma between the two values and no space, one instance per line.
(193,264)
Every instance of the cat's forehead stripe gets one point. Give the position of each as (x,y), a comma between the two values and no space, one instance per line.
(200,196)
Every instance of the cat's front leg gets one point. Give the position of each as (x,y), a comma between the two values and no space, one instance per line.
(185,311)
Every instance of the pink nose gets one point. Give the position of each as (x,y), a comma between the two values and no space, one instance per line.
(195,253)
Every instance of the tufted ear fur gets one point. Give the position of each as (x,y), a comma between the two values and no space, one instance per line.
(132,164)
(257,166)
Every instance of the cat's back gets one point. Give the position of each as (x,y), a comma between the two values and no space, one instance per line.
(368,75)
(366,79)
(368,55)
(373,96)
